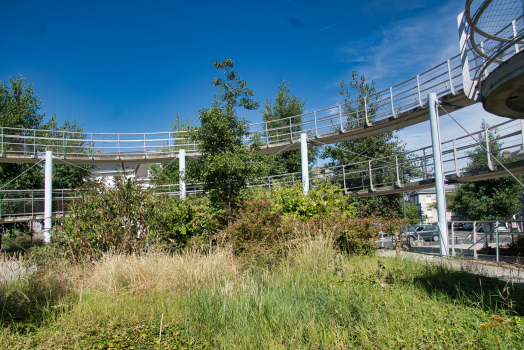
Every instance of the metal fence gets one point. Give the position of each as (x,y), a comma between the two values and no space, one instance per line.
(443,79)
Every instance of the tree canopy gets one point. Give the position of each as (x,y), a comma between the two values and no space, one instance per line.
(285,105)
(361,150)
(20,108)
(226,162)
(491,199)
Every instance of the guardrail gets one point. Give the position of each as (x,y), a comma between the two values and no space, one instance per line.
(443,79)
(489,228)
(489,37)
(396,170)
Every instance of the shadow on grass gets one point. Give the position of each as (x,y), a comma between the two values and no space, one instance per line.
(489,294)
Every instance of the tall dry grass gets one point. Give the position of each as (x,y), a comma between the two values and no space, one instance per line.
(160,272)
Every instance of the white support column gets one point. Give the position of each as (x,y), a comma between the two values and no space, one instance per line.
(182,170)
(48,193)
(305,169)
(439,173)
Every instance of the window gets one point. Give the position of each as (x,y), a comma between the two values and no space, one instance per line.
(430,213)
(429,200)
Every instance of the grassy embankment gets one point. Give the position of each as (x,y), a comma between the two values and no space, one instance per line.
(311,299)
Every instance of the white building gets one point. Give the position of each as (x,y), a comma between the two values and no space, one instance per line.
(109,173)
(427,198)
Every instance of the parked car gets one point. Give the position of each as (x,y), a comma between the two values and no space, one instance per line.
(457,225)
(468,226)
(428,232)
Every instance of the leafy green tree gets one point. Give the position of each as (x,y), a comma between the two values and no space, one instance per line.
(490,199)
(286,105)
(226,163)
(361,150)
(412,214)
(19,108)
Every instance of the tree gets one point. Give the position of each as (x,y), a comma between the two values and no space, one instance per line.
(226,163)
(358,152)
(19,108)
(286,105)
(491,199)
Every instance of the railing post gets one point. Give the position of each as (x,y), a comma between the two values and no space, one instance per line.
(291,130)
(397,168)
(32,204)
(521,132)
(425,164)
(475,255)
(344,179)
(497,242)
(418,88)
(392,106)
(515,33)
(169,141)
(452,240)
(340,116)
(316,128)
(450,80)
(118,144)
(366,111)
(370,177)
(267,136)
(63,144)
(62,201)
(457,171)
(488,150)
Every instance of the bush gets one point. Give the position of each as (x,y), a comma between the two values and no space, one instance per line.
(263,235)
(257,233)
(355,236)
(322,199)
(181,220)
(121,217)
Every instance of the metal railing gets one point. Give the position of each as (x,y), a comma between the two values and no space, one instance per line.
(491,229)
(489,37)
(460,156)
(443,79)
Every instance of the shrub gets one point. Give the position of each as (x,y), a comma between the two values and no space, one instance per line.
(257,233)
(120,217)
(323,199)
(355,236)
(181,220)
(263,235)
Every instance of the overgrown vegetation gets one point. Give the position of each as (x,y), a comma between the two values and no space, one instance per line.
(314,297)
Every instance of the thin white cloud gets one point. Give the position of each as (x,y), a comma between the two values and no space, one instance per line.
(408,47)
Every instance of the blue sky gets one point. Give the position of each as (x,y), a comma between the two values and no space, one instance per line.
(130,66)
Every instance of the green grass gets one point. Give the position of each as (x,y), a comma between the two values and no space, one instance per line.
(302,303)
